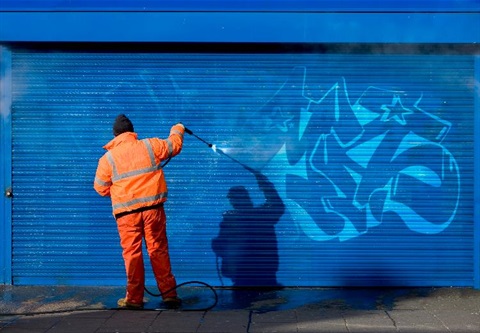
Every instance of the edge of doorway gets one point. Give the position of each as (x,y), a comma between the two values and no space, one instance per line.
(5,165)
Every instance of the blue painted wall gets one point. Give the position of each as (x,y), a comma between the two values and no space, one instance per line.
(244,5)
(358,145)
(241,21)
(234,27)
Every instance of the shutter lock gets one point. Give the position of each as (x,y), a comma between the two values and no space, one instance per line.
(9,192)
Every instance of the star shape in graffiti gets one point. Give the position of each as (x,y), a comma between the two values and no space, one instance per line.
(279,119)
(395,111)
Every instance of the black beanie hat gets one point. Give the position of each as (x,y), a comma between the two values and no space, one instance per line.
(122,124)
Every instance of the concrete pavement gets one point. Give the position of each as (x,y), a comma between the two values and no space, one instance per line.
(285,310)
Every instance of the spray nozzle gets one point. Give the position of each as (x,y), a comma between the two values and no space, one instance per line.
(220,151)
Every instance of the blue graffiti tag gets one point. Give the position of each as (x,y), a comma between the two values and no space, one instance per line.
(364,161)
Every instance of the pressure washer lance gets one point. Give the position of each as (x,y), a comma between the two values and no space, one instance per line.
(220,151)
(199,138)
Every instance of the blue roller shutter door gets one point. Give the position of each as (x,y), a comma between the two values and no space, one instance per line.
(371,156)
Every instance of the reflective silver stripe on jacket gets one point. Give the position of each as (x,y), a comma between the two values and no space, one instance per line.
(112,163)
(140,200)
(170,148)
(150,151)
(178,132)
(136,172)
(101,182)
(170,145)
(152,168)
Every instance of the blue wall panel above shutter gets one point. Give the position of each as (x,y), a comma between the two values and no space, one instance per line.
(370,155)
(244,5)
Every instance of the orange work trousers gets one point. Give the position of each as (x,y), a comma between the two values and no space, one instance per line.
(151,226)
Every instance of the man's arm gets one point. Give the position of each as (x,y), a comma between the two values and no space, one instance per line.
(103,177)
(273,199)
(165,149)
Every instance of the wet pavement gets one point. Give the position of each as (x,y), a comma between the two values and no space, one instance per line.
(93,309)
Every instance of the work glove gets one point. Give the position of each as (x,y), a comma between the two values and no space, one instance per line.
(183,126)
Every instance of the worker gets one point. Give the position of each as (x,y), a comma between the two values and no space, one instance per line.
(130,173)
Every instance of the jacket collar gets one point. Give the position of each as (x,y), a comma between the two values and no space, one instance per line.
(119,139)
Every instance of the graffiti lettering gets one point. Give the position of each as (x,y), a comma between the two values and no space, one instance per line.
(364,160)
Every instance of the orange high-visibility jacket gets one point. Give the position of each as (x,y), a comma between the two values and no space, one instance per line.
(130,171)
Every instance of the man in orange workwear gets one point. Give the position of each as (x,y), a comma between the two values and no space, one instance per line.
(130,173)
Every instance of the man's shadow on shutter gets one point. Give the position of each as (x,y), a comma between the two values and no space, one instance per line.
(247,242)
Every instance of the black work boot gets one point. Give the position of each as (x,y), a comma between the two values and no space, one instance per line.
(172,302)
